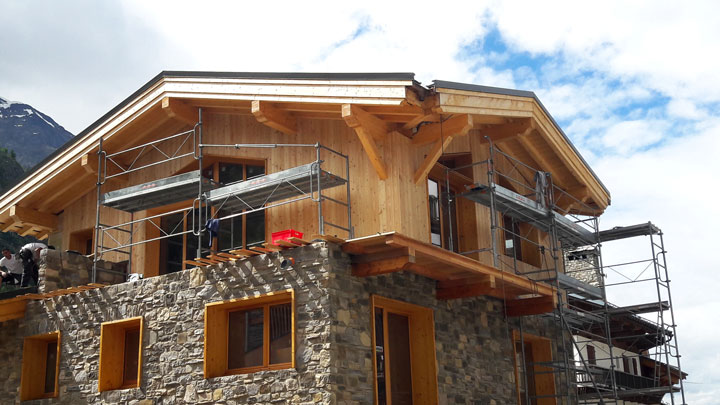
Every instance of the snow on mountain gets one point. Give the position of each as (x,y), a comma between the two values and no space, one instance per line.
(30,133)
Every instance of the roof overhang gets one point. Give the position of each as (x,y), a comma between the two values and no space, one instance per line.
(375,105)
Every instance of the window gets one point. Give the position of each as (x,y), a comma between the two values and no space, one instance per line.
(404,361)
(513,241)
(120,354)
(533,380)
(40,366)
(635,368)
(591,355)
(442,213)
(626,364)
(82,241)
(249,335)
(238,232)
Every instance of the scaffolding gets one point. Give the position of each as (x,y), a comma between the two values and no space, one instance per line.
(515,192)
(204,202)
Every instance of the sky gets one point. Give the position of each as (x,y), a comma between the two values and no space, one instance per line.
(634,84)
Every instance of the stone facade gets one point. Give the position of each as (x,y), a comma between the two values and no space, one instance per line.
(333,335)
(584,265)
(65,269)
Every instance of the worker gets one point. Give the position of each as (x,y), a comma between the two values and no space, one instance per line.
(11,268)
(29,254)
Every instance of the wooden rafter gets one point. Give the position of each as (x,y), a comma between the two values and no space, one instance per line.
(448,134)
(559,178)
(531,306)
(274,117)
(457,125)
(368,129)
(178,110)
(33,218)
(503,132)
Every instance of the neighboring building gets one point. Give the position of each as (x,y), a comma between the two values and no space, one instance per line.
(431,269)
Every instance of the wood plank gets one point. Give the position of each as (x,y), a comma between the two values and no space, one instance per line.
(299,241)
(262,250)
(272,246)
(194,263)
(274,117)
(204,260)
(330,238)
(382,266)
(286,244)
(510,130)
(456,125)
(217,258)
(229,256)
(530,306)
(244,252)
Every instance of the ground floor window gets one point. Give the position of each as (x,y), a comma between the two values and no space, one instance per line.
(404,347)
(249,335)
(40,365)
(534,380)
(120,354)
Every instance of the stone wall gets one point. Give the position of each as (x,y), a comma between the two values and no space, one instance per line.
(333,335)
(64,269)
(472,338)
(584,265)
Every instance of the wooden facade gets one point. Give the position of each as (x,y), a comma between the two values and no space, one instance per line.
(396,134)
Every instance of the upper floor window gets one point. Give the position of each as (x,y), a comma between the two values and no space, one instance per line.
(443,216)
(235,233)
(591,355)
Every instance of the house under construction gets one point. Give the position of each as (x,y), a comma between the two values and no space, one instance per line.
(331,238)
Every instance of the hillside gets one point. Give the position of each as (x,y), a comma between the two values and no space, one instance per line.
(10,173)
(28,132)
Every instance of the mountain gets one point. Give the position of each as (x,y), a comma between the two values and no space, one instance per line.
(31,134)
(10,173)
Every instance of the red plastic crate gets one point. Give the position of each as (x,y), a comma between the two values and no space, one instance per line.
(286,234)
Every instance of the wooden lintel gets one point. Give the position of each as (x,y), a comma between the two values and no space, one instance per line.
(453,289)
(177,109)
(531,306)
(510,130)
(382,266)
(454,126)
(28,216)
(273,117)
(368,129)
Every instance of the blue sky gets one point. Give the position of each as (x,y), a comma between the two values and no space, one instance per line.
(633,84)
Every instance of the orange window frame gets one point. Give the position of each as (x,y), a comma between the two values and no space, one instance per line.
(217,340)
(34,366)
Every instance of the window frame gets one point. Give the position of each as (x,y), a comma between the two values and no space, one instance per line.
(214,162)
(34,363)
(423,365)
(111,374)
(542,352)
(216,344)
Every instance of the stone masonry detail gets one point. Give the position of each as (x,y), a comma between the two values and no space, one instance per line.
(333,335)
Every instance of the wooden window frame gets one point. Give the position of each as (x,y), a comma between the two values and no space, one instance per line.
(217,339)
(111,375)
(213,161)
(543,377)
(34,366)
(422,341)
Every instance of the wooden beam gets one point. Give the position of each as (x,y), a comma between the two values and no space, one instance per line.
(417,120)
(431,158)
(368,129)
(9,225)
(178,110)
(26,230)
(531,306)
(32,217)
(273,117)
(545,164)
(468,287)
(382,266)
(510,130)
(457,125)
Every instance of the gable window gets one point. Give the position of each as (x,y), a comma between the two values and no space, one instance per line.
(404,360)
(120,354)
(234,233)
(249,335)
(442,213)
(40,366)
(534,381)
